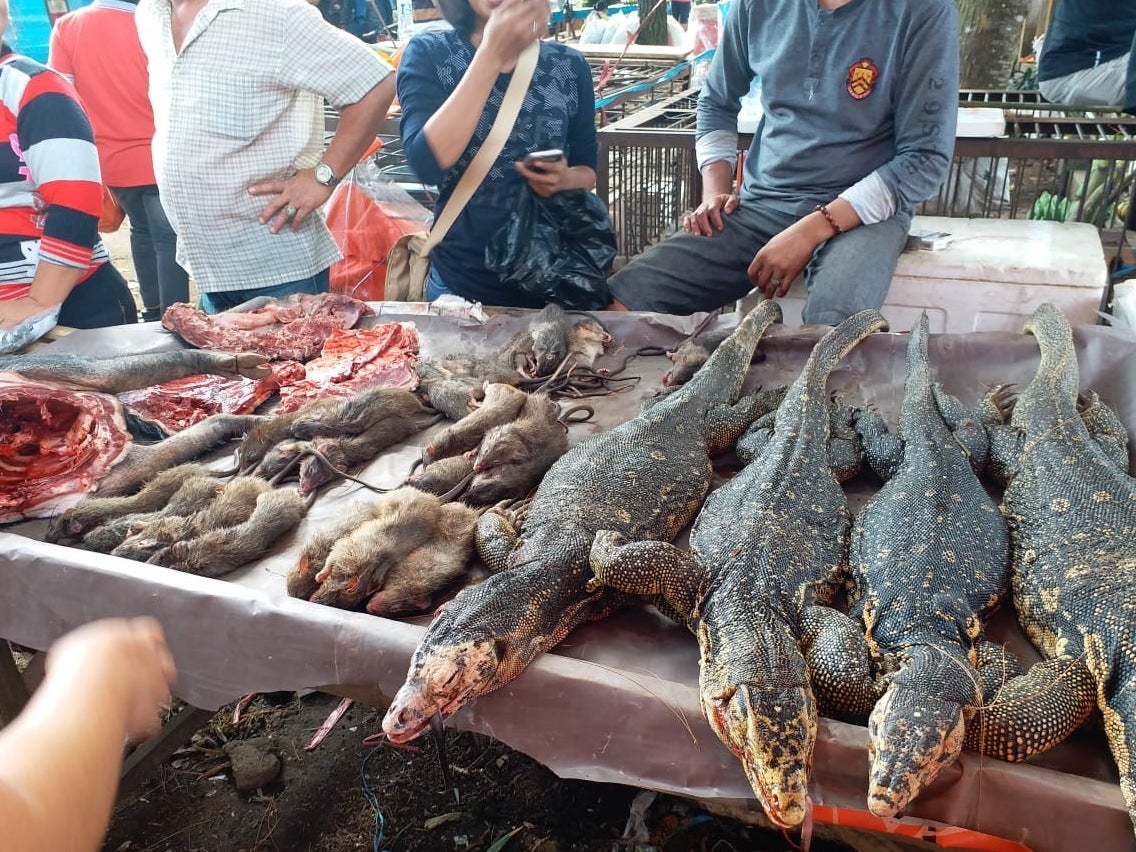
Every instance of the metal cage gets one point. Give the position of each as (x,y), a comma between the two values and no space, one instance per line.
(1072,164)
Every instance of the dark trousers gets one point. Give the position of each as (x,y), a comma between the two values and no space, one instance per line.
(101,301)
(680,11)
(214,303)
(153,246)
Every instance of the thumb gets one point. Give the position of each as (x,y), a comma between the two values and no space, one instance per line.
(731,204)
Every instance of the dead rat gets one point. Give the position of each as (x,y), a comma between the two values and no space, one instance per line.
(229,505)
(501,403)
(281,458)
(301,579)
(217,552)
(416,583)
(144,463)
(194,492)
(588,341)
(443,476)
(513,457)
(401,523)
(95,511)
(551,332)
(356,414)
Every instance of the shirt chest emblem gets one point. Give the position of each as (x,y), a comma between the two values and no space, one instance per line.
(862,77)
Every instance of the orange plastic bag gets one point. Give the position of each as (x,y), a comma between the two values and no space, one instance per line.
(112,215)
(367,214)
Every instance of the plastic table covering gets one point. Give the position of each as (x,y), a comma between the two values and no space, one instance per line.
(616,702)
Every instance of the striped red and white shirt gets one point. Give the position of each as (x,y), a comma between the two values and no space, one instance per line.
(51,193)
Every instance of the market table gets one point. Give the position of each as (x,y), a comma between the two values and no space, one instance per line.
(616,702)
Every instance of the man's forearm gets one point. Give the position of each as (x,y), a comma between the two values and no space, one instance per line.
(717,179)
(359,124)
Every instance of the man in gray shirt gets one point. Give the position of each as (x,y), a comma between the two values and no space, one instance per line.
(860,101)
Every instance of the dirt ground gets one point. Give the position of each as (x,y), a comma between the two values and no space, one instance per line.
(350,795)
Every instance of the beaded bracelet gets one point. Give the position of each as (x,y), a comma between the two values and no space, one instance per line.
(823,210)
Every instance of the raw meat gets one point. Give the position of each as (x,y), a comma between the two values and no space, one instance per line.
(183,402)
(55,444)
(355,359)
(293,328)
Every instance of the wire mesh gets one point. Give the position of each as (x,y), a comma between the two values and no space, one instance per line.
(1061,164)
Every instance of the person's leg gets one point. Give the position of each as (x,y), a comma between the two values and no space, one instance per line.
(214,303)
(686,273)
(131,200)
(681,12)
(435,286)
(102,300)
(1100,86)
(852,272)
(173,281)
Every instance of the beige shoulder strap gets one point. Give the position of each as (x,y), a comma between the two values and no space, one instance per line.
(487,154)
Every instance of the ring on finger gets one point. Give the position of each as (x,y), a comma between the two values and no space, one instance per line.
(290,211)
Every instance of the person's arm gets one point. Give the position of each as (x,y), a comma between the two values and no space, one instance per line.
(512,27)
(314,60)
(578,168)
(60,759)
(58,146)
(926,115)
(59,52)
(716,122)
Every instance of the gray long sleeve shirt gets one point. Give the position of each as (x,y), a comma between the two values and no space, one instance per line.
(859,102)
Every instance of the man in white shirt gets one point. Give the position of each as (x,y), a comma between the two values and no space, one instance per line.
(238,88)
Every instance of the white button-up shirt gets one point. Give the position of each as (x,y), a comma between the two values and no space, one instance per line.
(241,104)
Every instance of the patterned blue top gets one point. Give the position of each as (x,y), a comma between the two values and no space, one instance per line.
(558,112)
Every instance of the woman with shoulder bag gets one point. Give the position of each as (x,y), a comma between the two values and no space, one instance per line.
(451,85)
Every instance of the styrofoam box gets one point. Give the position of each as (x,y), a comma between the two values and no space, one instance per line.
(992,277)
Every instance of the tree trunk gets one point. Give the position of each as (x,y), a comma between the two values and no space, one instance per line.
(990,32)
(653,29)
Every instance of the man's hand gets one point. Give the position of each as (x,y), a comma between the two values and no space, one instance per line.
(124,658)
(781,260)
(709,217)
(293,199)
(545,178)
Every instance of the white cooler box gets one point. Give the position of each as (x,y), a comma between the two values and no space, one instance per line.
(991,277)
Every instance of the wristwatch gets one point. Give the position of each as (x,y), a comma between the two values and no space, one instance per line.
(325,175)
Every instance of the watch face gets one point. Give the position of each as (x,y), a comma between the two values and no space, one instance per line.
(324,174)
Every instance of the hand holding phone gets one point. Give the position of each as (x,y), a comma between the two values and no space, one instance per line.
(535,158)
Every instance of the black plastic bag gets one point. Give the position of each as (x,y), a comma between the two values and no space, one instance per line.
(558,249)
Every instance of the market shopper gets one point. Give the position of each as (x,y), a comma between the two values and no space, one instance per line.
(1086,58)
(51,198)
(450,86)
(60,759)
(860,105)
(97,48)
(238,92)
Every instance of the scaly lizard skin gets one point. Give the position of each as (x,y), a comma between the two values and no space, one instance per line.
(1071,509)
(645,478)
(930,560)
(766,547)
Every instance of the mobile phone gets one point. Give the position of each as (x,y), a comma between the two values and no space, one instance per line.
(549,156)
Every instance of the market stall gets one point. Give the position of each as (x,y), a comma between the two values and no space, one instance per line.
(617,701)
